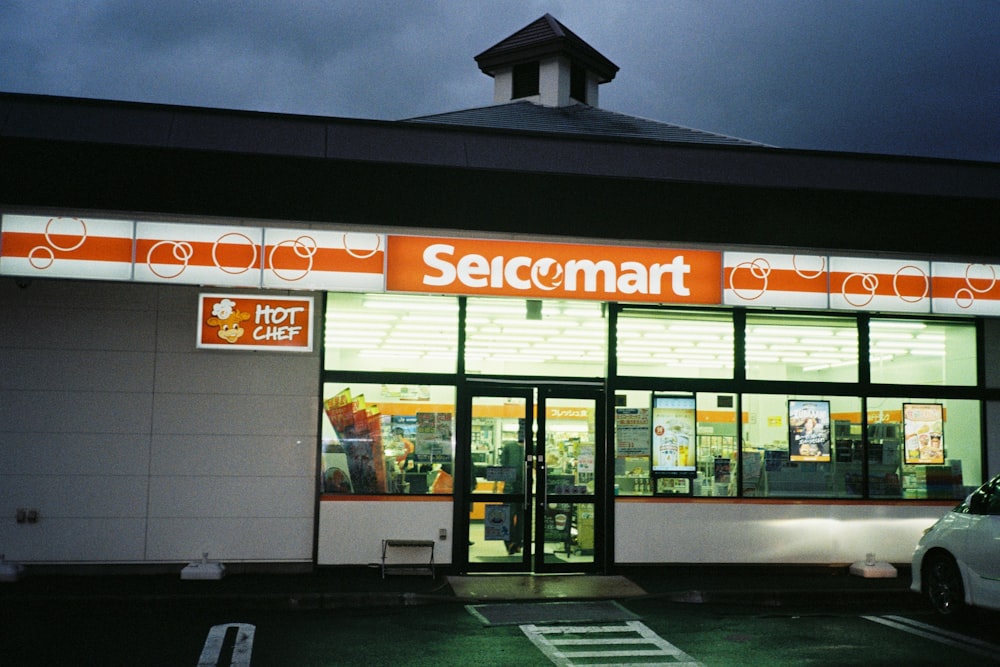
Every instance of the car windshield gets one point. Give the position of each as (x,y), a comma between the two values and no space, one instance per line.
(983,500)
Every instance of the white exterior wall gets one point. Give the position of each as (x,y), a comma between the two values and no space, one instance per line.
(553,82)
(351,531)
(135,447)
(798,533)
(651,532)
(503,85)
(592,91)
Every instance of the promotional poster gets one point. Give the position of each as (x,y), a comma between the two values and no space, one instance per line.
(809,430)
(923,428)
(674,434)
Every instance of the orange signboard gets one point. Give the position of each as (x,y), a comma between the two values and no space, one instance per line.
(553,270)
(965,288)
(775,279)
(66,247)
(894,285)
(241,322)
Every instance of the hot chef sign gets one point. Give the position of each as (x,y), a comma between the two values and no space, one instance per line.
(241,322)
(554,270)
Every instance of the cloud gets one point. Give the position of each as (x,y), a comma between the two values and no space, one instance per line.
(913,77)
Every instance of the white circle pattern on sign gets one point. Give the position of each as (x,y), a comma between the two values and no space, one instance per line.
(869,281)
(919,273)
(759,268)
(182,251)
(813,275)
(42,257)
(222,241)
(304,247)
(365,253)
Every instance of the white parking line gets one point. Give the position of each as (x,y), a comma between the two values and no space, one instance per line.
(562,644)
(940,635)
(242,645)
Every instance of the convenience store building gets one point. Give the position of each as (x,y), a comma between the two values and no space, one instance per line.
(543,335)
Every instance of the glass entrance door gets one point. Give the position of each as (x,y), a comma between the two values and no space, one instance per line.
(534,459)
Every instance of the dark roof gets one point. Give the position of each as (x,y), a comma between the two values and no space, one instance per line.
(577,119)
(545,37)
(73,155)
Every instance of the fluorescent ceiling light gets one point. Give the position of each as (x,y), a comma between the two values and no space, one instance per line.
(478,308)
(530,331)
(896,324)
(757,339)
(891,335)
(718,329)
(450,307)
(333,316)
(483,339)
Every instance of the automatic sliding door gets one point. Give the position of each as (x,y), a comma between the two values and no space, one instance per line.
(535,459)
(499,484)
(569,461)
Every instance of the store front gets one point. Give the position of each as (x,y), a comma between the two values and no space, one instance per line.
(657,337)
(554,426)
(515,444)
(537,457)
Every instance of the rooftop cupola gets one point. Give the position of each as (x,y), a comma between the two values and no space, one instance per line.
(545,62)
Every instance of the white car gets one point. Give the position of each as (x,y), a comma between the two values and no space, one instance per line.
(957,562)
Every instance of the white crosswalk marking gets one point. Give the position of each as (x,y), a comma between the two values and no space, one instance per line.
(631,641)
(211,652)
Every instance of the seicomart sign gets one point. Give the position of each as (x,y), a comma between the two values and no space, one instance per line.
(344,260)
(552,270)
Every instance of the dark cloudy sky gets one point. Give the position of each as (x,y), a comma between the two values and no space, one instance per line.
(903,77)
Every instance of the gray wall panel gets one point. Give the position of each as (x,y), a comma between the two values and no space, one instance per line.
(238,373)
(234,415)
(81,540)
(109,415)
(74,453)
(194,497)
(175,539)
(77,496)
(249,455)
(74,412)
(75,370)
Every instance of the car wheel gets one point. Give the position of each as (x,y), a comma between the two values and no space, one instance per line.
(944,585)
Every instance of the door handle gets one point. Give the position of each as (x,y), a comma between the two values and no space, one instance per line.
(543,490)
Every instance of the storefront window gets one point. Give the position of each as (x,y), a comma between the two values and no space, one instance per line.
(633,444)
(709,449)
(397,438)
(717,447)
(808,446)
(534,337)
(390,332)
(388,438)
(802,446)
(923,352)
(802,348)
(923,448)
(664,343)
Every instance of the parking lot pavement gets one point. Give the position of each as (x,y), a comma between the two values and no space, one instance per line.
(365,587)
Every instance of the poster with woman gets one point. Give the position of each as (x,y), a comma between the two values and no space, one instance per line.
(808,430)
